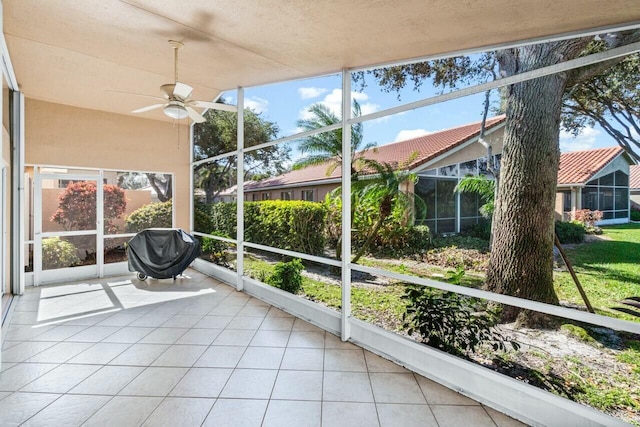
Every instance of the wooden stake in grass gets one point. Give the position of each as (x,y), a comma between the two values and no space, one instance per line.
(573,274)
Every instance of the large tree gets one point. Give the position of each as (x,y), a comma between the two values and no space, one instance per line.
(218,135)
(326,147)
(521,262)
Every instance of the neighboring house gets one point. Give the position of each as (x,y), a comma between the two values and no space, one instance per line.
(596,180)
(442,158)
(634,183)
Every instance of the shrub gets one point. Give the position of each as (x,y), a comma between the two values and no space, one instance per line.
(587,217)
(286,276)
(223,218)
(202,219)
(58,253)
(570,232)
(635,215)
(77,206)
(216,251)
(153,215)
(450,322)
(481,230)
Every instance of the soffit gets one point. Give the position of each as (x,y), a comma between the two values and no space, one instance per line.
(75,52)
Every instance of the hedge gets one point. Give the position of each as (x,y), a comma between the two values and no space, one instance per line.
(153,215)
(285,224)
(570,232)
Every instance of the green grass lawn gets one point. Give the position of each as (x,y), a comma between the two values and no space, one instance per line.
(609,271)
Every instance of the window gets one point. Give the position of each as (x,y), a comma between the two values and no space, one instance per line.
(609,194)
(566,201)
(285,195)
(307,195)
(266,196)
(254,197)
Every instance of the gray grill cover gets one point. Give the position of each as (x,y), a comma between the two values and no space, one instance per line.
(162,253)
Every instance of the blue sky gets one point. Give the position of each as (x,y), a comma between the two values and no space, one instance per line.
(285,103)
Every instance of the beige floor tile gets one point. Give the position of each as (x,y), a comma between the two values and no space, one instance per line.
(214,322)
(182,321)
(235,337)
(298,385)
(19,407)
(305,359)
(60,352)
(25,332)
(24,350)
(376,363)
(124,411)
(396,388)
(61,379)
(250,384)
(100,353)
(199,336)
(346,387)
(437,394)
(254,310)
(59,333)
(150,320)
(68,411)
(120,319)
(306,339)
(349,414)
(180,412)
(262,358)
(236,413)
(94,334)
(277,324)
(276,312)
(139,354)
(245,322)
(503,420)
(163,336)
(202,382)
(180,355)
(267,338)
(283,413)
(332,341)
(454,416)
(129,335)
(22,374)
(392,415)
(220,357)
(225,310)
(154,382)
(109,380)
(344,360)
(303,326)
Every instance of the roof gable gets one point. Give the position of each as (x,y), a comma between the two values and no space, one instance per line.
(578,167)
(634,176)
(417,150)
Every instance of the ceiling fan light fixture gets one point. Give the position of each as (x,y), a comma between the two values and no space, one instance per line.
(175,110)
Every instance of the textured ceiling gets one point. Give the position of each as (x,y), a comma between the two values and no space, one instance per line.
(77,52)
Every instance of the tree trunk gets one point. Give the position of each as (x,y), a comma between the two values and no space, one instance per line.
(521,262)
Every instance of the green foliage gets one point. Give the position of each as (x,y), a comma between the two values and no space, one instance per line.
(216,251)
(481,230)
(153,215)
(77,206)
(485,188)
(286,276)
(579,332)
(202,221)
(631,356)
(450,322)
(57,253)
(570,232)
(223,218)
(635,215)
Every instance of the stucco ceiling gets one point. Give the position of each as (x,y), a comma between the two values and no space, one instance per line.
(77,52)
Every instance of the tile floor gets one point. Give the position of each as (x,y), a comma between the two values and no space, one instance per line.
(120,352)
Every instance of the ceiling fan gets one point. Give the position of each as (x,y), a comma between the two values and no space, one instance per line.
(177,96)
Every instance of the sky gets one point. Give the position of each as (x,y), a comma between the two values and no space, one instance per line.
(286,103)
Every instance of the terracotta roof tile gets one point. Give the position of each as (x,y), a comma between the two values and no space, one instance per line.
(634,176)
(578,167)
(427,147)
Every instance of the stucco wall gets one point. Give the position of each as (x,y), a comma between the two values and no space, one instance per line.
(68,136)
(319,192)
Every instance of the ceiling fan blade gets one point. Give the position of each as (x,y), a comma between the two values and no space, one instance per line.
(214,105)
(148,108)
(181,90)
(194,115)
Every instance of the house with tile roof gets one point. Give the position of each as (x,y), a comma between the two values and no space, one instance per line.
(441,159)
(634,183)
(596,179)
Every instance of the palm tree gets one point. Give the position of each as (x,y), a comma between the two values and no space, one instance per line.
(388,191)
(326,147)
(485,188)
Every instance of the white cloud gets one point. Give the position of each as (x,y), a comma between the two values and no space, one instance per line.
(585,140)
(311,92)
(334,102)
(256,104)
(405,134)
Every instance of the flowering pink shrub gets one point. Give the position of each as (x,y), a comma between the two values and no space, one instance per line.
(587,216)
